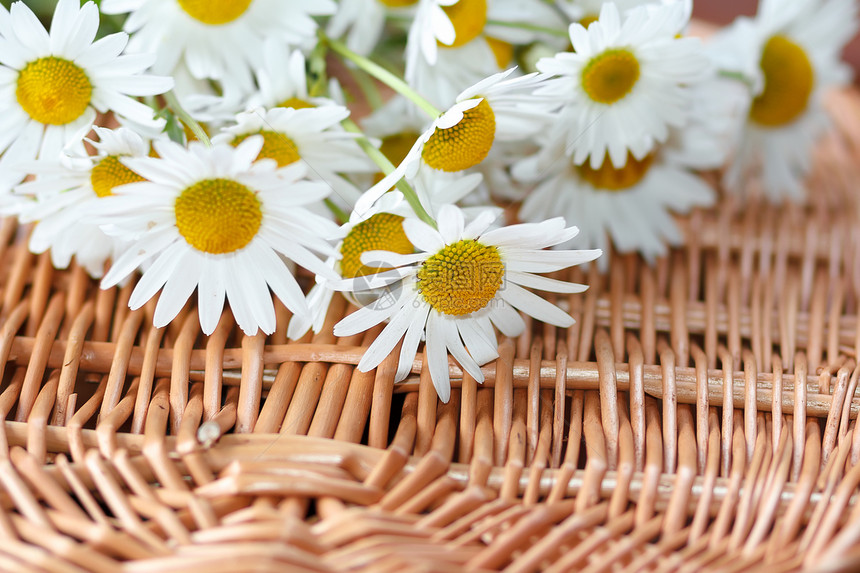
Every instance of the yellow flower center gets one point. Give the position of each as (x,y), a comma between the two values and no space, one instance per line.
(609,76)
(381,232)
(109,173)
(214,12)
(609,178)
(463,145)
(53,91)
(190,135)
(295,103)
(218,216)
(276,146)
(502,51)
(398,3)
(396,147)
(588,19)
(461,278)
(788,82)
(468,18)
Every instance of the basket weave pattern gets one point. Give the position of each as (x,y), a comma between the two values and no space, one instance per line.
(699,415)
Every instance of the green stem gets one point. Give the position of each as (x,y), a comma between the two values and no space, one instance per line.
(185,117)
(317,76)
(529,27)
(387,167)
(382,75)
(737,76)
(368,88)
(341,215)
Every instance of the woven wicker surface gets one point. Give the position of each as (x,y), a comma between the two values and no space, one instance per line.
(699,416)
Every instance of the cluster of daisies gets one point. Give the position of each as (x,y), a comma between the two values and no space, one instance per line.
(208,146)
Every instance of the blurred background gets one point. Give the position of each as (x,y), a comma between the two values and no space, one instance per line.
(719,12)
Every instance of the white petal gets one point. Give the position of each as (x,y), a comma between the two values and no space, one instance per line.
(533,261)
(363,319)
(210,295)
(508,320)
(411,340)
(451,223)
(423,236)
(481,347)
(382,259)
(535,306)
(437,356)
(458,351)
(156,275)
(135,255)
(393,332)
(177,291)
(480,223)
(544,283)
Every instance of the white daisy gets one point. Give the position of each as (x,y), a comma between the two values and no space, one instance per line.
(791,51)
(627,82)
(282,81)
(632,205)
(205,101)
(217,39)
(311,135)
(485,35)
(496,169)
(52,84)
(363,21)
(463,281)
(587,11)
(453,68)
(494,109)
(430,26)
(215,220)
(719,106)
(62,198)
(381,228)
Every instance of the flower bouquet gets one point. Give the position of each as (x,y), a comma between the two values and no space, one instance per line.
(402,200)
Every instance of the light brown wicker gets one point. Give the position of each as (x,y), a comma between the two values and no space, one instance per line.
(699,416)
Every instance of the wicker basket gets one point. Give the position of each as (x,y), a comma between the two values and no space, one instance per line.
(700,415)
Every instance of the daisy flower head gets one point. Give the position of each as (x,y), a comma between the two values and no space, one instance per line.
(311,135)
(791,53)
(485,35)
(494,109)
(61,200)
(53,83)
(463,281)
(381,228)
(282,81)
(587,11)
(632,205)
(216,39)
(627,82)
(213,219)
